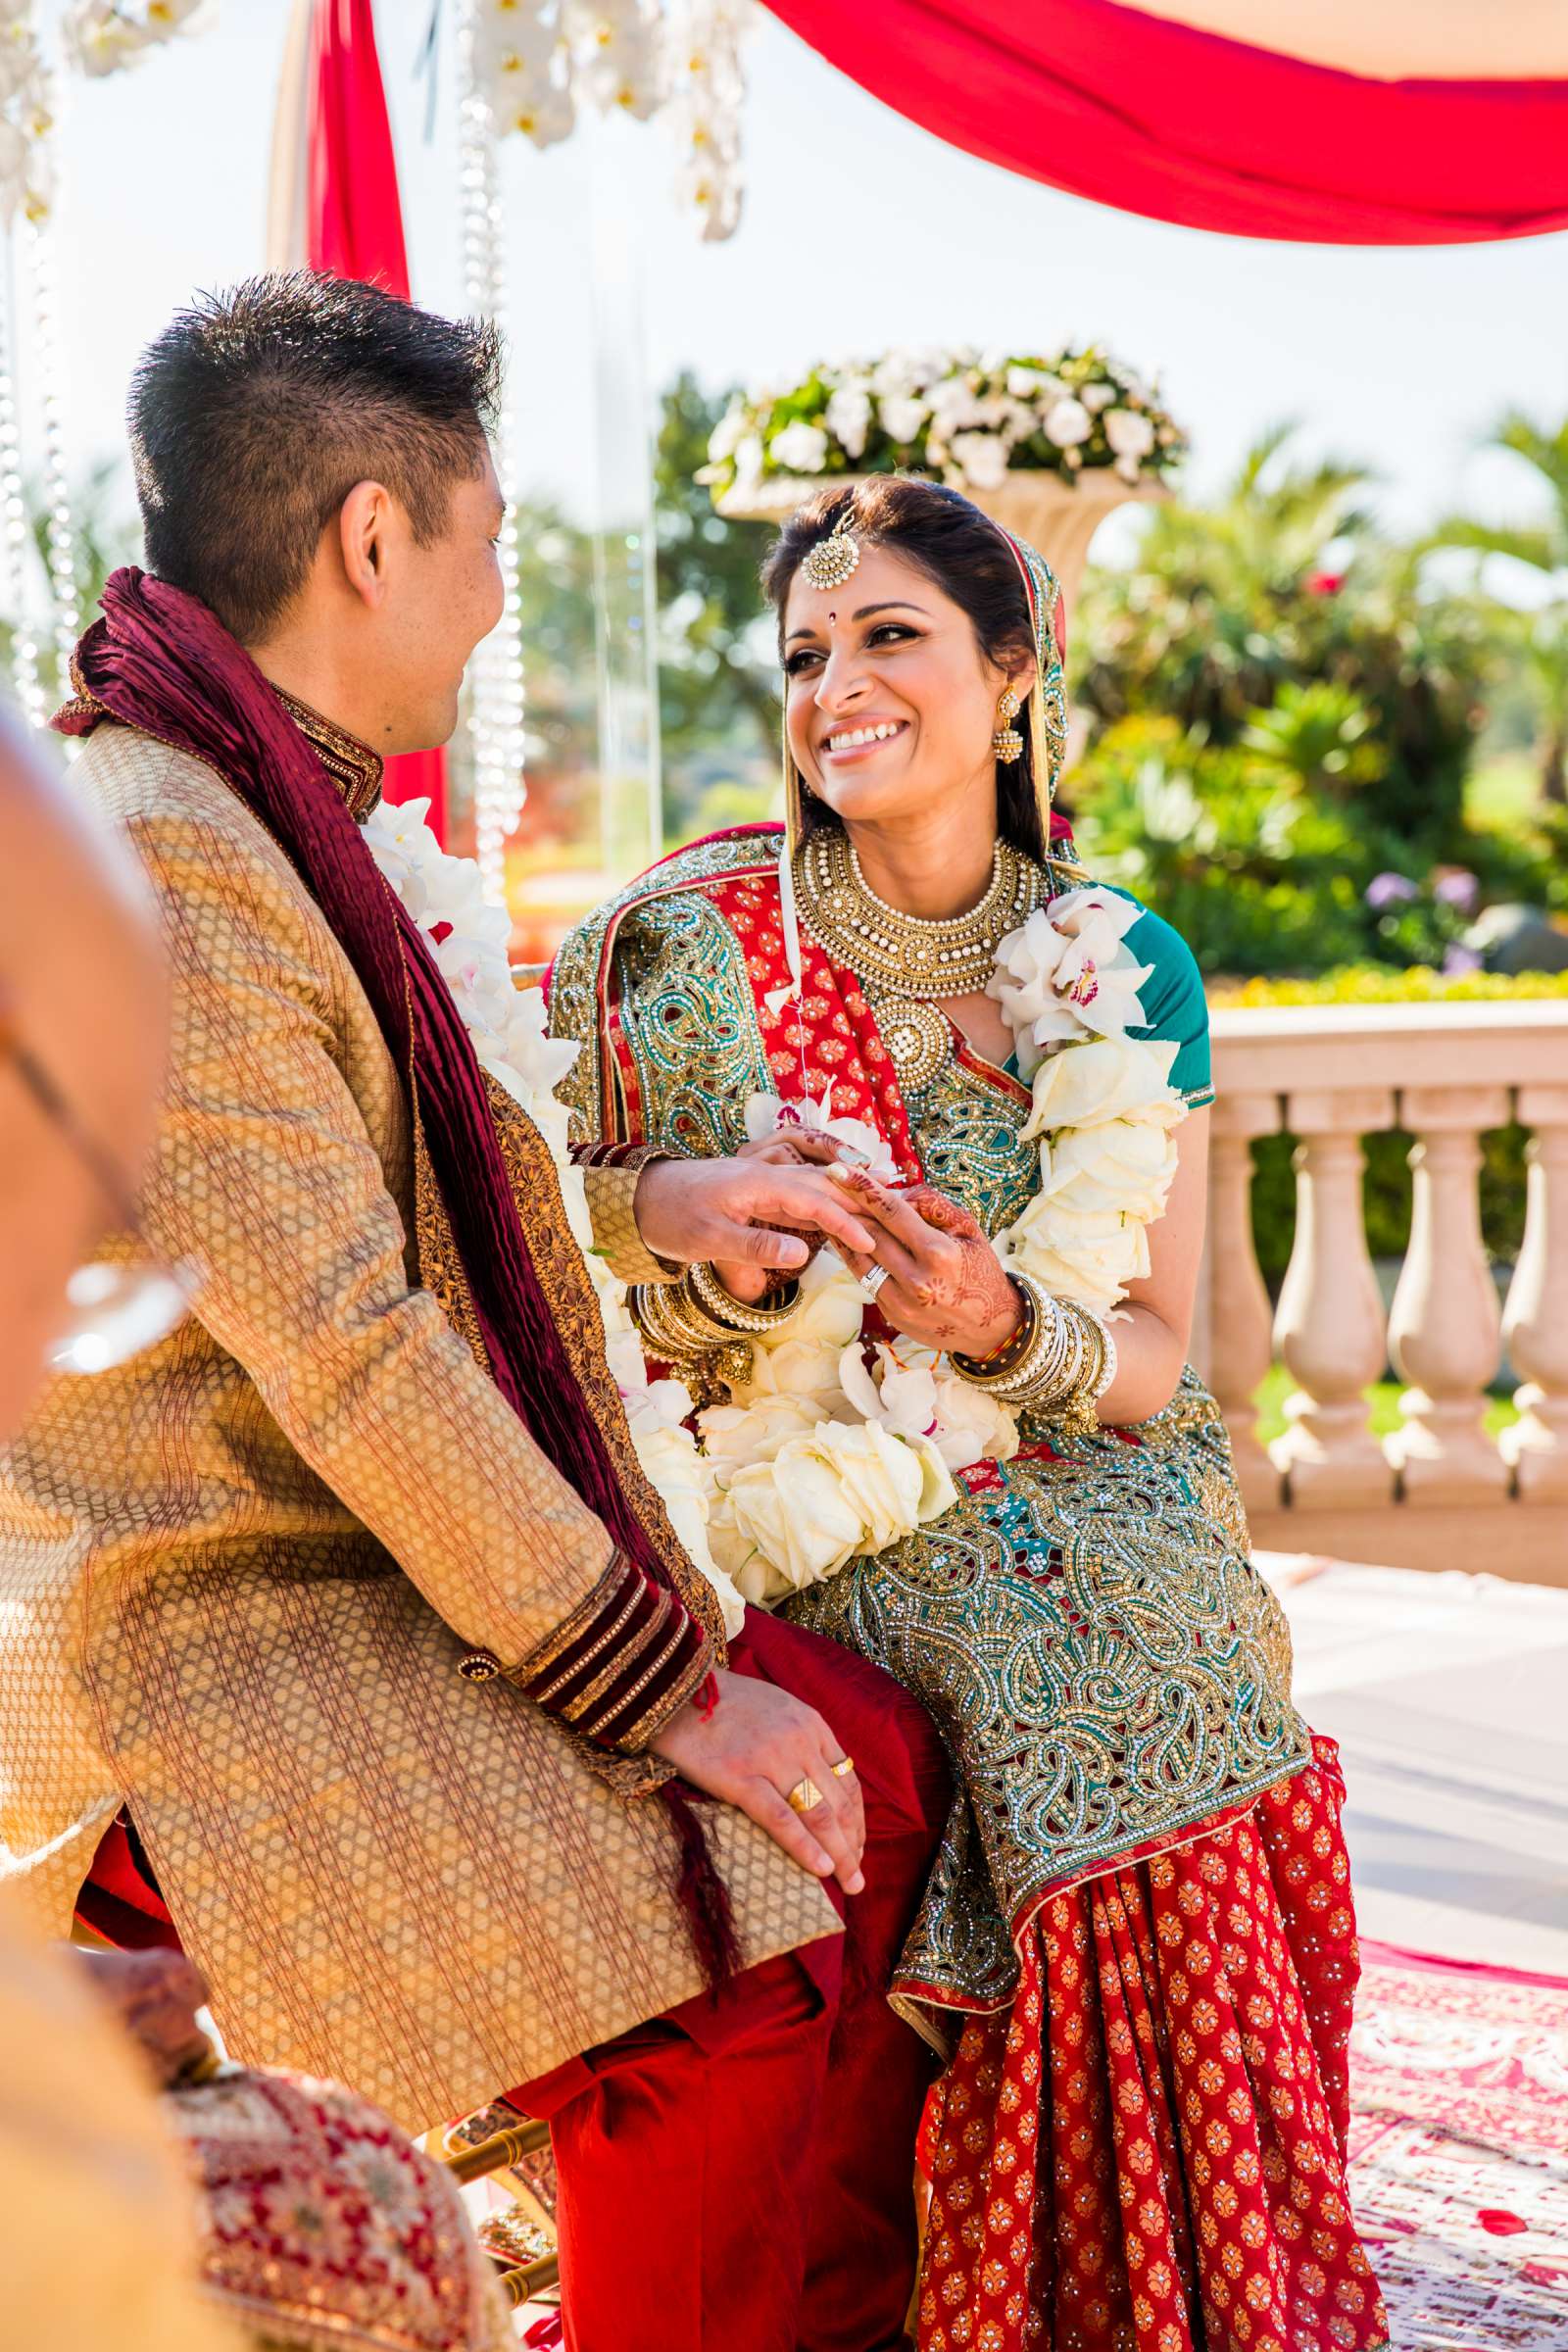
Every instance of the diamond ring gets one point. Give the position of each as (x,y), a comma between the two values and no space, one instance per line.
(872,1281)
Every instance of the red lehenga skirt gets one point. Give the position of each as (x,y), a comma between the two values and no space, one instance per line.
(1147,2152)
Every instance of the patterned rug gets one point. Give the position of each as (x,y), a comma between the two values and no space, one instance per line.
(1459,2151)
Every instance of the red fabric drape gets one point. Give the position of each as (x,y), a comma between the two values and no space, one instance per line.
(1155,118)
(354,228)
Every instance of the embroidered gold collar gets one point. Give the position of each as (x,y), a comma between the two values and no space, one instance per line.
(353,766)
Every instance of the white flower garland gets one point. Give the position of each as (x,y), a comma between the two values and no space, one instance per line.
(806,1463)
(468,939)
(104,36)
(821,1457)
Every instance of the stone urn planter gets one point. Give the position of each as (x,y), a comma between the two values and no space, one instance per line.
(1059,513)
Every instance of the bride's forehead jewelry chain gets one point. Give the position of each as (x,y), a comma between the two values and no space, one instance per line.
(829,564)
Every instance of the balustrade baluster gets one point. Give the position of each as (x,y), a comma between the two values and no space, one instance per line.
(1239,1350)
(1444,1328)
(1329,1327)
(1535,1321)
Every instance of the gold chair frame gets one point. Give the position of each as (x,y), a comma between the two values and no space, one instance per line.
(497,2154)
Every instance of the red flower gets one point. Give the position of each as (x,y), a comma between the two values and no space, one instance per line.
(1325,583)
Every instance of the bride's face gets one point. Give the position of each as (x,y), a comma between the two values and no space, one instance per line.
(890,703)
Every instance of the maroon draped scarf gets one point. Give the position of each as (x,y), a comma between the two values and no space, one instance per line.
(159,661)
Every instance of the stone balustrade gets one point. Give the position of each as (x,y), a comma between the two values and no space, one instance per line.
(1439,1491)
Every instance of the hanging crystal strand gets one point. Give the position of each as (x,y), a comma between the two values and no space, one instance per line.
(59,550)
(500,788)
(25,682)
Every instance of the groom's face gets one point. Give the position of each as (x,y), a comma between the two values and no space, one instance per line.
(445,597)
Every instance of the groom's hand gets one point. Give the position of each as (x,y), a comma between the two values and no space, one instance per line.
(752,1750)
(725,1212)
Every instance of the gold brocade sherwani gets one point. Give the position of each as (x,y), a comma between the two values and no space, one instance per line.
(237,1574)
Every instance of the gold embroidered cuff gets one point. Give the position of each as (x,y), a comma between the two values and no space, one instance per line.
(611,1192)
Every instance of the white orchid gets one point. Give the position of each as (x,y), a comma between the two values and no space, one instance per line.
(910,1394)
(768,1116)
(1066,972)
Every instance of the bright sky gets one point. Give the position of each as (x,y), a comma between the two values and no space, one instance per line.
(860,231)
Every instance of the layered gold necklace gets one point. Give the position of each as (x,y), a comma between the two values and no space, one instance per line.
(909,963)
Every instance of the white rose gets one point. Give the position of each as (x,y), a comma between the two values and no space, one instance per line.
(849,416)
(800,447)
(1067,422)
(831,1306)
(675,1469)
(748,460)
(1105,1078)
(982,459)
(895,1483)
(1091,1260)
(802,1368)
(1119,1169)
(728,433)
(786,1535)
(734,1435)
(902,418)
(1095,397)
(954,405)
(1033,384)
(897,375)
(1130,434)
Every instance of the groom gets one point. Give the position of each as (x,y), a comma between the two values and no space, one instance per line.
(345,1622)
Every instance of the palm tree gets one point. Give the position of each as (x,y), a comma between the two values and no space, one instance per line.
(1544,546)
(1201,621)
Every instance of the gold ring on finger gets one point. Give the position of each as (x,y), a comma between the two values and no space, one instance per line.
(844,1766)
(804,1796)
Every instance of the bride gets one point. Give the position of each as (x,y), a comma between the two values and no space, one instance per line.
(978,1459)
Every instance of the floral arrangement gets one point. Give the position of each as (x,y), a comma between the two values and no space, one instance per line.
(468,938)
(104,36)
(537,61)
(831,1450)
(965,418)
(26,117)
(828,1450)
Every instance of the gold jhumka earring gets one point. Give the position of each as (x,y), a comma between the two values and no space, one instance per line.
(1006,743)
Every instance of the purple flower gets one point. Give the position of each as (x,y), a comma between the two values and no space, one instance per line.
(1388,890)
(1459,960)
(1458,889)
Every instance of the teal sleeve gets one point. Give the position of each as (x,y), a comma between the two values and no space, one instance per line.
(1174,1001)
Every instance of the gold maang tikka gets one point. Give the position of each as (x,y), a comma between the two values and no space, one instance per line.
(829,564)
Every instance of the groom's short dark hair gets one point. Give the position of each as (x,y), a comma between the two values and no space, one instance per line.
(256,411)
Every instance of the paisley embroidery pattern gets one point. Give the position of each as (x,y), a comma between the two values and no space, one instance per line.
(1085,1625)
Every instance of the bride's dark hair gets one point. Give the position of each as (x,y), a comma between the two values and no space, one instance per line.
(965,555)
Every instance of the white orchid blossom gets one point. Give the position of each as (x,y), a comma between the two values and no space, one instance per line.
(1067,973)
(769,1115)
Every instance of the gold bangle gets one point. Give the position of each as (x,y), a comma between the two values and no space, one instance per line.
(733,1314)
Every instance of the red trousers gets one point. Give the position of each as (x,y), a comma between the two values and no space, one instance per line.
(738,2175)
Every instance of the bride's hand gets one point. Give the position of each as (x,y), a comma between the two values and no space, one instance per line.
(798,1150)
(947,1288)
